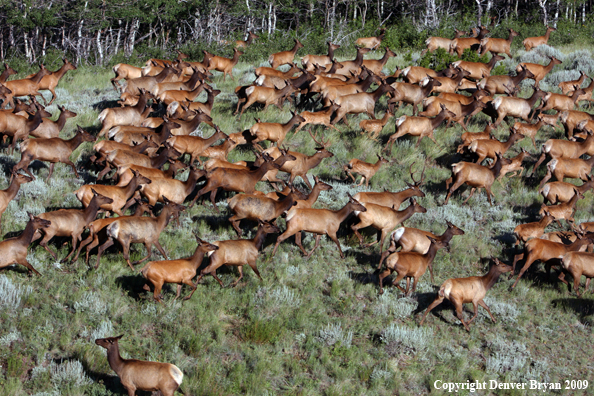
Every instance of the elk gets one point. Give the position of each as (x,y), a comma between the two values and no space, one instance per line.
(371,43)
(478,70)
(176,190)
(524,232)
(360,103)
(272,72)
(413,94)
(458,45)
(451,84)
(126,157)
(194,145)
(558,192)
(70,223)
(182,85)
(533,42)
(14,250)
(515,165)
(180,271)
(488,148)
(319,222)
(434,43)
(274,131)
(393,199)
(51,80)
(124,173)
(529,130)
(19,127)
(559,148)
(433,107)
(578,264)
(469,137)
(376,65)
(205,107)
(266,96)
(134,116)
(8,195)
(539,71)
(259,208)
(130,135)
(321,117)
(145,230)
(564,210)
(572,118)
(308,61)
(180,96)
(8,71)
(365,169)
(543,250)
(568,167)
(26,86)
(473,289)
(238,180)
(307,202)
(149,83)
(498,45)
(120,195)
(51,129)
(125,71)
(409,265)
(374,127)
(222,150)
(250,38)
(384,219)
(52,150)
(502,84)
(418,126)
(225,65)
(553,101)
(415,240)
(354,66)
(515,107)
(331,93)
(568,87)
(140,374)
(238,253)
(416,74)
(284,57)
(475,175)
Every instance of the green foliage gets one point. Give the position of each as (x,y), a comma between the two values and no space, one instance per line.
(437,60)
(261,331)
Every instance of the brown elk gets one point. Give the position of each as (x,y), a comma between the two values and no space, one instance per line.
(14,250)
(489,148)
(176,190)
(331,93)
(409,265)
(572,118)
(360,103)
(533,42)
(529,130)
(70,223)
(130,135)
(51,80)
(434,43)
(502,84)
(145,230)
(524,232)
(516,107)
(266,96)
(539,71)
(433,105)
(416,74)
(274,131)
(418,126)
(180,271)
(473,289)
(321,117)
(140,374)
(222,150)
(568,167)
(557,192)
(458,45)
(317,221)
(25,86)
(376,65)
(134,116)
(568,87)
(415,240)
(354,66)
(124,173)
(375,127)
(205,107)
(124,71)
(498,45)
(120,195)
(284,57)
(384,219)
(246,43)
(559,148)
(51,129)
(150,83)
(371,43)
(17,179)
(119,158)
(469,137)
(578,264)
(180,96)
(478,70)
(19,127)
(413,94)
(238,253)
(52,150)
(188,85)
(543,250)
(451,84)
(225,65)
(564,210)
(475,175)
(308,61)
(8,71)
(393,199)
(272,72)
(194,145)
(308,201)
(515,165)
(553,101)
(365,169)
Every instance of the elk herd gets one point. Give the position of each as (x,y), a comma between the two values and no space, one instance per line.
(149,139)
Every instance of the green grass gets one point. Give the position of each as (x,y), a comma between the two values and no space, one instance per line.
(314,326)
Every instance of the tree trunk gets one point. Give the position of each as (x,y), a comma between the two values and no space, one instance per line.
(479,12)
(556,14)
(27,50)
(99,48)
(543,6)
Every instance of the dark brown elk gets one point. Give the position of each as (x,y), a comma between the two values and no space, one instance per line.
(225,65)
(360,103)
(26,86)
(51,129)
(180,271)
(473,289)
(284,57)
(274,132)
(543,250)
(8,71)
(409,265)
(371,43)
(478,70)
(533,42)
(70,223)
(489,148)
(140,374)
(539,71)
(384,219)
(578,264)
(515,107)
(502,84)
(52,150)
(124,71)
(498,45)
(524,232)
(557,192)
(145,230)
(134,116)
(238,253)
(14,250)
(365,169)
(308,61)
(51,80)
(393,199)
(319,222)
(194,145)
(176,190)
(475,175)
(568,87)
(418,126)
(8,195)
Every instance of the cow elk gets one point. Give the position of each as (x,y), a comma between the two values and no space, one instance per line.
(489,148)
(393,199)
(17,179)
(374,127)
(533,42)
(524,232)
(14,250)
(365,169)
(578,264)
(274,132)
(51,129)
(225,65)
(284,57)
(516,107)
(371,43)
(418,126)
(194,145)
(559,192)
(539,71)
(498,45)
(568,87)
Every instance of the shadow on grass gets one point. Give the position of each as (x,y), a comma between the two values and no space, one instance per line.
(582,307)
(105,104)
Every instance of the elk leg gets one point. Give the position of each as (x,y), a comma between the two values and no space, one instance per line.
(193,286)
(178,291)
(255,269)
(235,223)
(240,269)
(43,244)
(104,172)
(471,192)
(335,239)
(489,193)
(318,236)
(587,285)
(517,258)
(284,236)
(482,304)
(23,261)
(459,312)
(101,249)
(396,282)
(82,245)
(361,182)
(299,244)
(157,292)
(431,271)
(352,177)
(524,268)
(357,227)
(434,304)
(74,242)
(213,195)
(387,272)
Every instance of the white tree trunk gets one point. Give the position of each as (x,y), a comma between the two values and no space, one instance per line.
(543,6)
(556,14)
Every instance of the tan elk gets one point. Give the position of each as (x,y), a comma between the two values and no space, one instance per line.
(489,148)
(578,264)
(371,43)
(418,126)
(17,179)
(533,42)
(194,145)
(308,61)
(51,129)
(539,71)
(284,57)
(14,250)
(478,70)
(50,81)
(515,107)
(394,199)
(225,65)
(274,132)
(523,232)
(134,116)
(365,169)
(498,45)
(558,192)
(375,127)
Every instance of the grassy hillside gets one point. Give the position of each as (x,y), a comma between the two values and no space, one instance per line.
(314,326)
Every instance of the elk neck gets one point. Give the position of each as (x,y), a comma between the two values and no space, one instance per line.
(13,189)
(114,359)
(27,236)
(33,123)
(160,160)
(259,238)
(490,278)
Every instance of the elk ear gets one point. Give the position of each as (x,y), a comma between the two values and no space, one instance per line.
(449,224)
(118,337)
(95,192)
(165,199)
(31,217)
